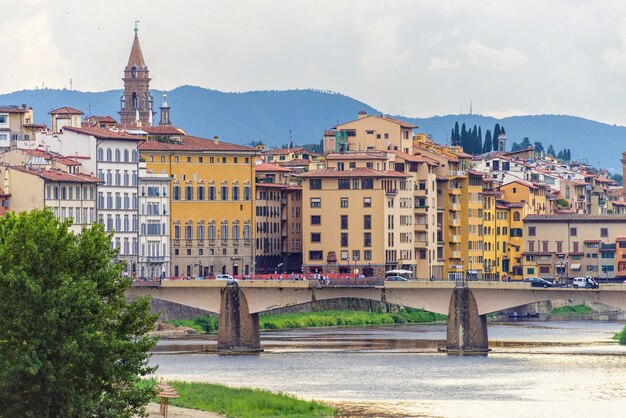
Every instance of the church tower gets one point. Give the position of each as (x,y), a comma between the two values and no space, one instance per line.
(136,102)
(165,112)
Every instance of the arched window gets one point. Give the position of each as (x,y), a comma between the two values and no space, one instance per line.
(109,154)
(134,100)
(133,73)
(100,154)
(516,216)
(117,154)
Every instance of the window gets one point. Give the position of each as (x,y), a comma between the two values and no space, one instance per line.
(211,193)
(367,184)
(316,255)
(176,231)
(344,239)
(604,232)
(224,192)
(189,192)
(367,254)
(367,202)
(176,192)
(532,231)
(247,193)
(367,239)
(189,232)
(516,216)
(343,184)
(573,232)
(315,184)
(559,246)
(344,221)
(200,192)
(344,202)
(316,202)
(316,237)
(367,221)
(316,220)
(235,192)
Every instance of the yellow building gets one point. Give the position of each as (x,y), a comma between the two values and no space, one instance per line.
(532,195)
(491,260)
(16,124)
(211,200)
(357,219)
(65,116)
(370,132)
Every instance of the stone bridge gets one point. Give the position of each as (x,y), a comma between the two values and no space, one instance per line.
(466,305)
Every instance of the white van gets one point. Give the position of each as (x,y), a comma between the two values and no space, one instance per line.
(584,283)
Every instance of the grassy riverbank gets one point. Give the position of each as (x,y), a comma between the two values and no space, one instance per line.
(244,402)
(321,319)
(579,309)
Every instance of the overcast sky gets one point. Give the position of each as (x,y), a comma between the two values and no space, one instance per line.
(413,58)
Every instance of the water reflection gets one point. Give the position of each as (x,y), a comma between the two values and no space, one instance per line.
(536,368)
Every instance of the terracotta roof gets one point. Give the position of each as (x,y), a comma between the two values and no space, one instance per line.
(193,143)
(98,119)
(294,163)
(522,182)
(57,175)
(285,151)
(383,117)
(12,109)
(414,158)
(65,111)
(267,167)
(102,133)
(355,156)
(136,57)
(163,130)
(575,217)
(354,172)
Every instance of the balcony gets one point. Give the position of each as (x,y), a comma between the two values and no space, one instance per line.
(391,192)
(156,259)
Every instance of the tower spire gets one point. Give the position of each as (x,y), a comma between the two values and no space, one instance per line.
(136,99)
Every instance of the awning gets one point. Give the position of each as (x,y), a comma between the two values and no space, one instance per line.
(575,266)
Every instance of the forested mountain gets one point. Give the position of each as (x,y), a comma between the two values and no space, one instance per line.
(276,117)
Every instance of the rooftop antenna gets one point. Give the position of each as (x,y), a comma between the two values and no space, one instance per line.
(470,107)
(70,84)
(136,27)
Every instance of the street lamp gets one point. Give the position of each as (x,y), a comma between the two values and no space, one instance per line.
(355,258)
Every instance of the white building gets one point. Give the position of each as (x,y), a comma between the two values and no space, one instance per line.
(154,220)
(113,157)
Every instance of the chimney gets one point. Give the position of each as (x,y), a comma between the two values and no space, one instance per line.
(216,140)
(362,114)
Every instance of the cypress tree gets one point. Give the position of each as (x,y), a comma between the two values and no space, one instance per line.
(463,141)
(496,132)
(457,135)
(487,147)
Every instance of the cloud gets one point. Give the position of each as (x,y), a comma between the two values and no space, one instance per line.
(442,64)
(381,52)
(496,59)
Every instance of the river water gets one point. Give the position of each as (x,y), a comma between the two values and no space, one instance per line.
(537,369)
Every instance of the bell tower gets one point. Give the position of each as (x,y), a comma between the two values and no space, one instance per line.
(136,102)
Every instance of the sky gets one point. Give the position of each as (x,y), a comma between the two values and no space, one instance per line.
(414,58)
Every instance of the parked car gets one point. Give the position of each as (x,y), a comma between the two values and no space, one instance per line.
(230,279)
(538,282)
(396,279)
(584,283)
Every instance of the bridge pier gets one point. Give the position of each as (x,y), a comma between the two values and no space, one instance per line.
(467,330)
(238,329)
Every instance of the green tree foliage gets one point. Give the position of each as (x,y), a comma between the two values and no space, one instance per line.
(538,147)
(525,143)
(70,344)
(456,135)
(496,132)
(516,147)
(550,151)
(488,145)
(617,178)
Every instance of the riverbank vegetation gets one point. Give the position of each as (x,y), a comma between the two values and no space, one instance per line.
(243,402)
(578,309)
(321,319)
(621,336)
